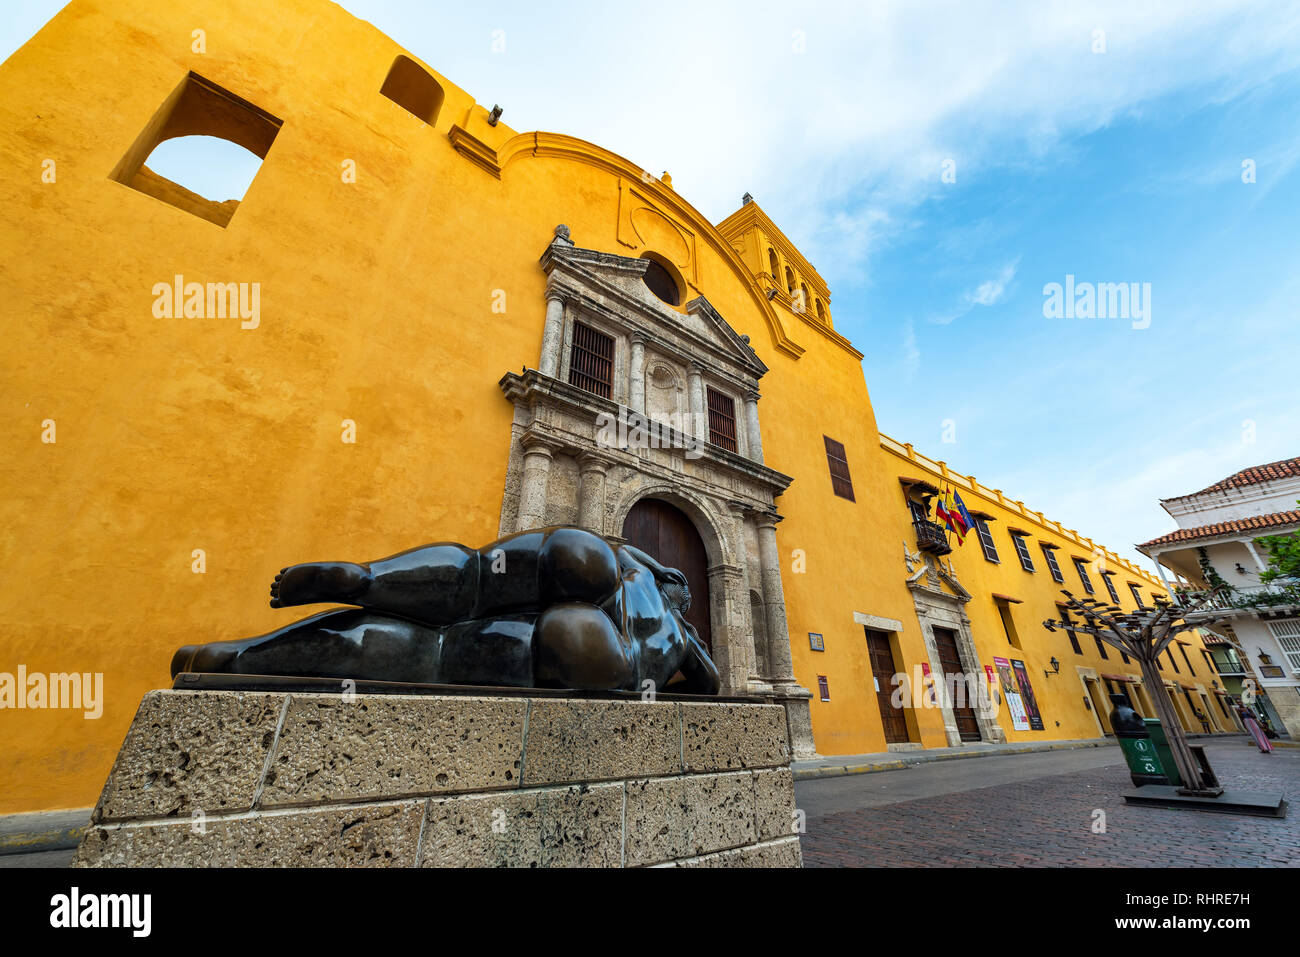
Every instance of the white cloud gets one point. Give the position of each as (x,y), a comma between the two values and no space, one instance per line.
(987,293)
(990,291)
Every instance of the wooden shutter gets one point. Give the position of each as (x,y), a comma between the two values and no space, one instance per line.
(986,540)
(591,362)
(841,481)
(722,420)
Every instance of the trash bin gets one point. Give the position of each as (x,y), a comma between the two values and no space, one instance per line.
(1163,751)
(1144,764)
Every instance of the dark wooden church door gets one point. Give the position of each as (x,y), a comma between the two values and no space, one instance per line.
(667,535)
(883,670)
(950,661)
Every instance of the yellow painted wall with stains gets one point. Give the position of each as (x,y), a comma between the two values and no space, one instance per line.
(376,306)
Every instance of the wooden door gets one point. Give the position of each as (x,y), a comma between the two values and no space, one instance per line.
(883,669)
(664,533)
(950,664)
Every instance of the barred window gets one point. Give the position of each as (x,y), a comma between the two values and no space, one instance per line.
(722,420)
(841,481)
(591,362)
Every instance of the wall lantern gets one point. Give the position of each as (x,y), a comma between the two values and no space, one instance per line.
(1056,667)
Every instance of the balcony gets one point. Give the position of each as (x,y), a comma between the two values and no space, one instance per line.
(1274,595)
(931,537)
(1230,667)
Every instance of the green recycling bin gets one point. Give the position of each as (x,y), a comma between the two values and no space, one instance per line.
(1144,765)
(1163,751)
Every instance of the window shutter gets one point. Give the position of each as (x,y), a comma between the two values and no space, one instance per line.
(841,482)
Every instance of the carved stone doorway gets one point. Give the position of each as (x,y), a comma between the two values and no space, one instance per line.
(666,534)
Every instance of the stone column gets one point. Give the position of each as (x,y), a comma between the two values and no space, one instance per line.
(636,375)
(778,629)
(745,624)
(552,334)
(753,437)
(786,689)
(533,488)
(591,492)
(695,393)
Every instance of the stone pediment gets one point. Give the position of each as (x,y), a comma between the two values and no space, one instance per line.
(612,284)
(935,579)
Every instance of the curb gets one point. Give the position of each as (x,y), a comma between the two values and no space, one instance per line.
(922,757)
(897,764)
(42,831)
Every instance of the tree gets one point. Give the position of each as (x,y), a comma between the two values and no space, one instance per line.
(1144,634)
(1283,556)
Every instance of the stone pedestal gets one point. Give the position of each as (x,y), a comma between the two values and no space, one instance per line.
(269,779)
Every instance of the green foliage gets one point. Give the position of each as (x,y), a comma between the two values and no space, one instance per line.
(1214,579)
(1283,557)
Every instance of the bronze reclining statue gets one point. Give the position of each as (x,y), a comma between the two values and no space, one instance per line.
(556,607)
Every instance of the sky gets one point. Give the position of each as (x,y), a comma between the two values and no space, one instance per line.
(941,165)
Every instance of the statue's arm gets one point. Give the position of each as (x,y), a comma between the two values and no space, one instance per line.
(697,667)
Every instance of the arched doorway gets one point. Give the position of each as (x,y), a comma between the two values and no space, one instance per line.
(664,532)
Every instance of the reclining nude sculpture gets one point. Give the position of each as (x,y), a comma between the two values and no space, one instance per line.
(556,607)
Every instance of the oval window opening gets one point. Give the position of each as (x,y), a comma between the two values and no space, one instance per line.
(661,282)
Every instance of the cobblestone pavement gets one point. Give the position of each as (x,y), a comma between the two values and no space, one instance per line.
(1048,822)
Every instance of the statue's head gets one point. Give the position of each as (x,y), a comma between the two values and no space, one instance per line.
(676,591)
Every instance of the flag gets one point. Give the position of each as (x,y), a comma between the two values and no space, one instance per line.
(965,516)
(947,512)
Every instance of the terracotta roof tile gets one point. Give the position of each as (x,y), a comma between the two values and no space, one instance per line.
(1256,523)
(1254,475)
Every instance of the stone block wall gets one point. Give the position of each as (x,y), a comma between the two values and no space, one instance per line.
(267,779)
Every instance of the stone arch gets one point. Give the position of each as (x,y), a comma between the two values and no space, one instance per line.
(696,507)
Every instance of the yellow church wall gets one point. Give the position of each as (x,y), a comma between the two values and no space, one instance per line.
(176,435)
(377,307)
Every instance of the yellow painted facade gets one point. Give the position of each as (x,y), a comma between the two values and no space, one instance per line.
(158,471)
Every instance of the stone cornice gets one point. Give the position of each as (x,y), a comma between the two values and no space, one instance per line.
(533,389)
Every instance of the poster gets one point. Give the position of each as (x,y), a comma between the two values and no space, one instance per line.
(1027,694)
(1019,720)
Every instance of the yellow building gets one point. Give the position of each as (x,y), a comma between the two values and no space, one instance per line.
(392,339)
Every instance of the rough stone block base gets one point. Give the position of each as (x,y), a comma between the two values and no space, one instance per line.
(268,779)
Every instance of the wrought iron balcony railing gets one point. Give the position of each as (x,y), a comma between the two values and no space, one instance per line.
(1255,596)
(930,537)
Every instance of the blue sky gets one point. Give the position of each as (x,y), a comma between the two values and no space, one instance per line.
(1113,157)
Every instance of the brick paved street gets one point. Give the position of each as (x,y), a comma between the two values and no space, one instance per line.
(1047,821)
